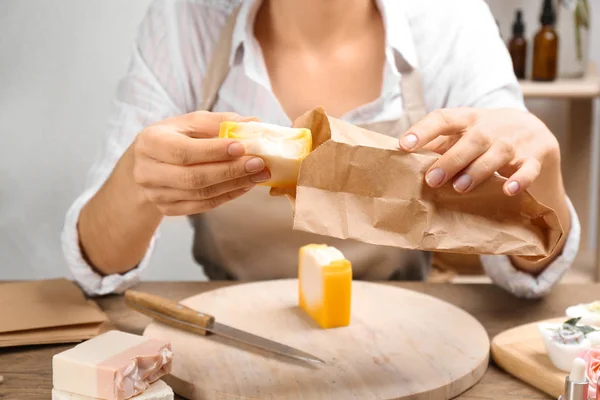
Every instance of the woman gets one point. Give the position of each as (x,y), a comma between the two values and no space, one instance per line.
(433,73)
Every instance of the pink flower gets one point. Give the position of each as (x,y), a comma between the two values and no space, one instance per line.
(592,362)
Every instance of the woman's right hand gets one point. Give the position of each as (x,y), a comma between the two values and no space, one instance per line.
(184,168)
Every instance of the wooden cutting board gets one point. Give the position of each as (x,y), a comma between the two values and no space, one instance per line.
(400,344)
(521,352)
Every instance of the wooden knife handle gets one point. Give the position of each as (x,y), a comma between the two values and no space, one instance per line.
(169,312)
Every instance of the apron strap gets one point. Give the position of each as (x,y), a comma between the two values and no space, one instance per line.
(218,67)
(412,91)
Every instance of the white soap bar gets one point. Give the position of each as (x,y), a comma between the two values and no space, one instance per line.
(112,366)
(156,391)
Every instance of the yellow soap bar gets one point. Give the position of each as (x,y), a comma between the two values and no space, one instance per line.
(325,285)
(282,148)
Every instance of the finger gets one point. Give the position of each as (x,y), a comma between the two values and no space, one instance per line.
(166,195)
(523,178)
(442,144)
(499,155)
(195,207)
(442,122)
(436,144)
(197,176)
(457,158)
(205,124)
(174,148)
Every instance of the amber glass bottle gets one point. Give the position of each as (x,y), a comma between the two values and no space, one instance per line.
(517,46)
(545,46)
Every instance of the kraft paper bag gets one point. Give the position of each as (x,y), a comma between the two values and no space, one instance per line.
(48,311)
(358,184)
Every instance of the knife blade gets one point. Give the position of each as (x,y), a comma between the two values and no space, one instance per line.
(179,316)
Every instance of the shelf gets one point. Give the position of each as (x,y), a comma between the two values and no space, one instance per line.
(585,87)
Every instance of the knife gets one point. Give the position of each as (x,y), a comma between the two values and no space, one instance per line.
(179,316)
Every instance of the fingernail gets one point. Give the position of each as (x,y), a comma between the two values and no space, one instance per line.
(262,177)
(247,188)
(435,177)
(463,182)
(236,149)
(255,164)
(512,187)
(409,141)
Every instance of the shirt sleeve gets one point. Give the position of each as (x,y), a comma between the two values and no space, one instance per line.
(502,272)
(146,94)
(485,77)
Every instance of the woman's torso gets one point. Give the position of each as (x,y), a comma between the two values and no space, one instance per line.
(251,238)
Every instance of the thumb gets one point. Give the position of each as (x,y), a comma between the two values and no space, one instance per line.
(205,124)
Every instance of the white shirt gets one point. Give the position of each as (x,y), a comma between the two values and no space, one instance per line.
(455,45)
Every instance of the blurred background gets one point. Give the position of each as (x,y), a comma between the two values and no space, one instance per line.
(59,66)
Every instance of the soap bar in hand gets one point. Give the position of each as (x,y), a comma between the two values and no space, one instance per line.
(112,366)
(325,285)
(281,148)
(156,391)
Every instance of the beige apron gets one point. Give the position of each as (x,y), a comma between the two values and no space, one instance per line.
(251,238)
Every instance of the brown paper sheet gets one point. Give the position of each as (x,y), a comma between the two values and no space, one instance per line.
(48,311)
(56,335)
(358,184)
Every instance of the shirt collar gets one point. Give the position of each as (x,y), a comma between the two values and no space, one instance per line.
(398,36)
(243,32)
(397,30)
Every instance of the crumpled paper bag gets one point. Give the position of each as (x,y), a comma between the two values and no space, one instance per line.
(358,184)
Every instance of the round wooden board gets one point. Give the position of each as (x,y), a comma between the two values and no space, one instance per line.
(400,344)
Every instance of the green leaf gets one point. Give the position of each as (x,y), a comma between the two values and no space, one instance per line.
(582,21)
(585,329)
(572,321)
(584,13)
(572,324)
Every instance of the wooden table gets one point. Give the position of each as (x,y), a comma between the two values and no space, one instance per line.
(28,371)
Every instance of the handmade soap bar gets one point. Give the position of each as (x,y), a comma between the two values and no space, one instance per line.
(281,148)
(325,285)
(113,366)
(156,391)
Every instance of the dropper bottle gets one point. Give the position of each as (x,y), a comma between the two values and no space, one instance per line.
(576,383)
(545,46)
(517,46)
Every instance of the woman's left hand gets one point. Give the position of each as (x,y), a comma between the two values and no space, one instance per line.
(475,143)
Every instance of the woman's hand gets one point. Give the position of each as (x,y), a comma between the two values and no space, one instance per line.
(174,167)
(475,143)
(183,168)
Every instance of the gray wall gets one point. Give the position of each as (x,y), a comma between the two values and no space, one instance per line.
(59,64)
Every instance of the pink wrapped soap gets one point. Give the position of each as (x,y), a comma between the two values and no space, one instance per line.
(112,366)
